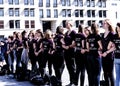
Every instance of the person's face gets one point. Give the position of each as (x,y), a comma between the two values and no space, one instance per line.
(61,30)
(68,25)
(105,25)
(118,29)
(86,32)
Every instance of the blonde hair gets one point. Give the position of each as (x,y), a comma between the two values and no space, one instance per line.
(48,34)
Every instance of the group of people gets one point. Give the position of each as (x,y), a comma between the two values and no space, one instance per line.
(79,51)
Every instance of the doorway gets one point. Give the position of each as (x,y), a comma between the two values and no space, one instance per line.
(46,25)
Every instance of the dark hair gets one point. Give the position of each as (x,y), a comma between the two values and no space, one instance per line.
(80,28)
(11,37)
(39,31)
(94,28)
(118,24)
(23,34)
(110,28)
(58,30)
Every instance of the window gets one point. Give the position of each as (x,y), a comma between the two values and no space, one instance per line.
(32,24)
(81,21)
(63,13)
(26,24)
(100,23)
(55,3)
(40,3)
(47,3)
(17,23)
(100,13)
(77,23)
(1,24)
(16,2)
(41,13)
(89,23)
(76,2)
(100,3)
(32,13)
(93,13)
(88,3)
(17,12)
(1,1)
(26,12)
(48,13)
(26,2)
(1,12)
(64,23)
(104,3)
(11,23)
(89,13)
(10,2)
(68,2)
(104,13)
(11,12)
(55,13)
(69,13)
(92,3)
(76,13)
(63,2)
(81,13)
(31,2)
(80,3)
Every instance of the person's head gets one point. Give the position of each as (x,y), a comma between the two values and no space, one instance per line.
(94,28)
(38,34)
(10,38)
(24,34)
(80,28)
(118,28)
(69,24)
(48,34)
(107,25)
(31,34)
(59,30)
(14,34)
(87,31)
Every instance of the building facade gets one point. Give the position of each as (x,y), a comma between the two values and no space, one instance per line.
(19,15)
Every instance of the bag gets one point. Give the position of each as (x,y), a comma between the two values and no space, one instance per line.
(37,80)
(102,82)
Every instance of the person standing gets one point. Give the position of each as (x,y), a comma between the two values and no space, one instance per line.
(79,56)
(67,43)
(58,61)
(107,53)
(116,41)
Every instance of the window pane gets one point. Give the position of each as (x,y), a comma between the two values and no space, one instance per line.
(88,3)
(63,2)
(69,13)
(32,24)
(55,3)
(64,23)
(17,12)
(77,23)
(89,13)
(26,24)
(26,12)
(11,23)
(32,12)
(1,1)
(100,13)
(16,2)
(10,1)
(26,2)
(41,13)
(81,21)
(104,13)
(31,2)
(48,13)
(47,3)
(1,12)
(81,13)
(93,13)
(40,3)
(76,13)
(104,3)
(89,23)
(55,13)
(11,12)
(17,23)
(1,24)
(68,2)
(76,2)
(80,3)
(93,3)
(63,13)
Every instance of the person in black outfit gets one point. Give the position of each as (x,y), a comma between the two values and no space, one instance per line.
(58,60)
(79,56)
(67,43)
(107,53)
(94,47)
(47,50)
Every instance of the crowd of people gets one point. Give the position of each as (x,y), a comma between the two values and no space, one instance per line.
(79,51)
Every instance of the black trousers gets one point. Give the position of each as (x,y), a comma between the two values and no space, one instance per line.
(70,64)
(108,66)
(58,64)
(11,65)
(93,67)
(80,68)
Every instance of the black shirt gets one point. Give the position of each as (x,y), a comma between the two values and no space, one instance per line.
(30,44)
(58,44)
(37,44)
(116,41)
(78,41)
(24,42)
(93,43)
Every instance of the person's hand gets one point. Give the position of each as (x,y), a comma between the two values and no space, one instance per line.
(36,54)
(82,51)
(104,54)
